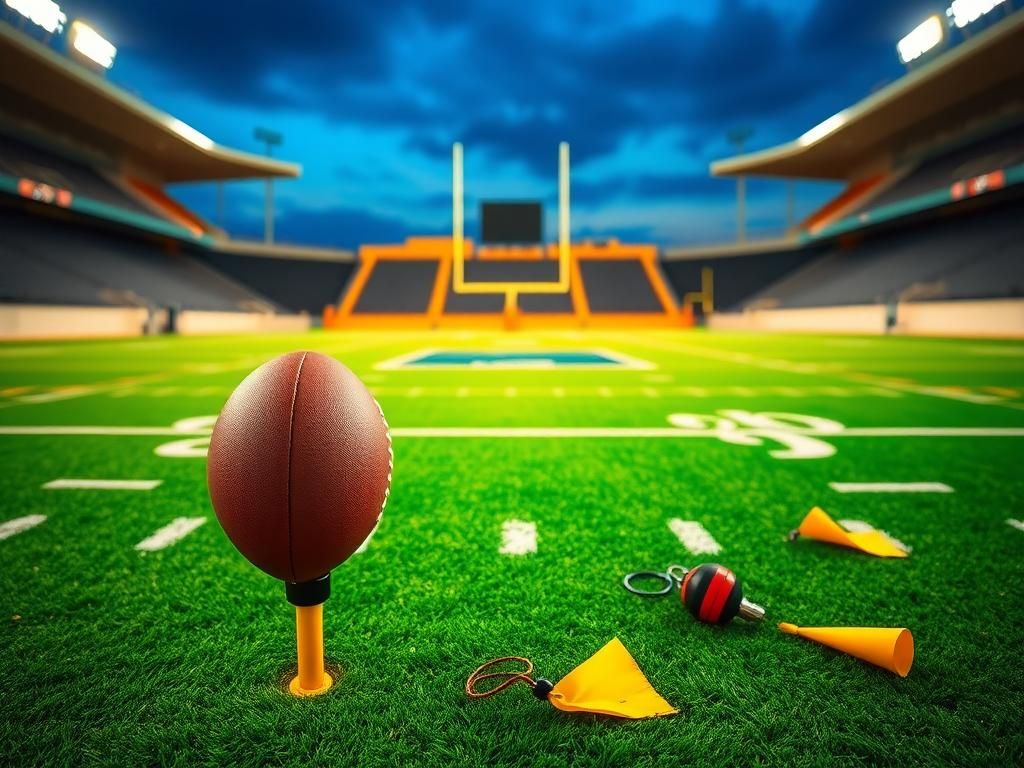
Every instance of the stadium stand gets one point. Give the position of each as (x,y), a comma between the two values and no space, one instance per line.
(59,261)
(398,287)
(931,220)
(22,159)
(619,286)
(739,273)
(411,285)
(90,240)
(969,157)
(294,283)
(546,303)
(919,262)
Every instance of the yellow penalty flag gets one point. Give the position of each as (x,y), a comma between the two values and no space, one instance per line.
(818,525)
(609,683)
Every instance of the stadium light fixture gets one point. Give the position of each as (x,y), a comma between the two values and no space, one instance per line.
(44,13)
(190,134)
(823,129)
(271,139)
(964,12)
(925,36)
(91,44)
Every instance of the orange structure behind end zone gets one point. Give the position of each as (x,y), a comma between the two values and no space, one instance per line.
(409,286)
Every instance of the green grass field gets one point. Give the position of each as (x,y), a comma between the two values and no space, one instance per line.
(113,656)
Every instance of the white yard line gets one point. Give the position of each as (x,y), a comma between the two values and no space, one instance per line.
(670,432)
(883,392)
(518,537)
(60,393)
(774,364)
(694,537)
(932,432)
(693,391)
(890,487)
(836,391)
(70,483)
(170,534)
(1018,524)
(625,361)
(100,431)
(19,524)
(790,391)
(511,432)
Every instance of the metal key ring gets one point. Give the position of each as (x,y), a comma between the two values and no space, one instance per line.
(669,582)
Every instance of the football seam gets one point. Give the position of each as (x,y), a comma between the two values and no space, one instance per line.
(291,430)
(391,460)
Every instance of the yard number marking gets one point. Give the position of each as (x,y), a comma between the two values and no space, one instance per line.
(797,434)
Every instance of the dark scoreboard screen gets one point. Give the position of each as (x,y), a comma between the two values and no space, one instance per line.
(511,222)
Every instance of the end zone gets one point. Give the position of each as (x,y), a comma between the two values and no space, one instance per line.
(470,359)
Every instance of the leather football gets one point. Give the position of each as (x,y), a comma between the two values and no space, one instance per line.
(299,466)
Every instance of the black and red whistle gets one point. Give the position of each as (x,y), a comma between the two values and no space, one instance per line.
(711,592)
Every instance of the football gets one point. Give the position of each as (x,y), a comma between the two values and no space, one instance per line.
(299,465)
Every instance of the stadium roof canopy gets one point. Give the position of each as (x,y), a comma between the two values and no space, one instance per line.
(40,85)
(975,78)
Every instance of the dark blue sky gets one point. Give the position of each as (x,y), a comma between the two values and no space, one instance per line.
(370,96)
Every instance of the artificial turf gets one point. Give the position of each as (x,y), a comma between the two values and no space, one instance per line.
(113,657)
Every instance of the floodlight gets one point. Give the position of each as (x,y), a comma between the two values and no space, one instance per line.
(964,12)
(823,129)
(925,36)
(44,13)
(91,44)
(190,134)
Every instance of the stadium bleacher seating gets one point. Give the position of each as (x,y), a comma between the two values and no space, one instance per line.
(398,287)
(21,159)
(737,278)
(977,254)
(58,261)
(970,157)
(299,285)
(618,285)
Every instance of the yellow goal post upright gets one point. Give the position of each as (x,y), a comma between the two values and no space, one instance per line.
(511,289)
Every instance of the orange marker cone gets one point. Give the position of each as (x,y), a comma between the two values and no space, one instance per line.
(819,526)
(891,649)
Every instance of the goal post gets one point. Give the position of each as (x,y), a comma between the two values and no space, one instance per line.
(459,282)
